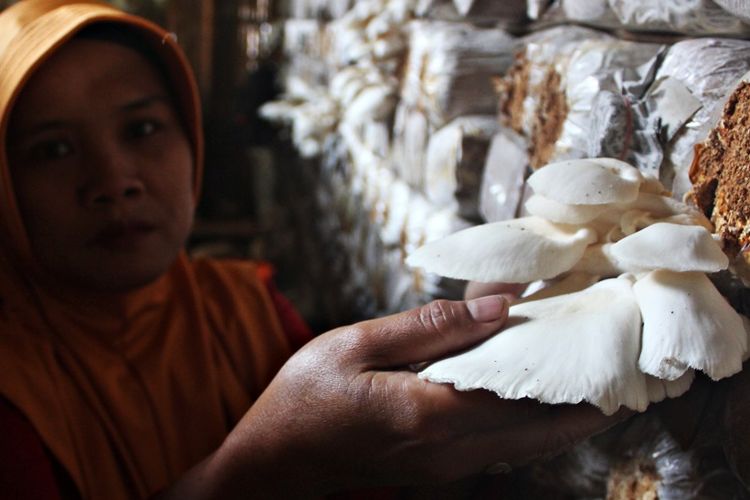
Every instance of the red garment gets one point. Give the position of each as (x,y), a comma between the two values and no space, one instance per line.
(25,468)
(295,328)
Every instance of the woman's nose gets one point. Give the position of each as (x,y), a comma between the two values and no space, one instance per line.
(111,179)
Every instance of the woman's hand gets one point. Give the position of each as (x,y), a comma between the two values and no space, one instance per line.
(346,412)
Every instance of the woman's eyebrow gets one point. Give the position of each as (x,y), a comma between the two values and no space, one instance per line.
(146,102)
(43,126)
(38,128)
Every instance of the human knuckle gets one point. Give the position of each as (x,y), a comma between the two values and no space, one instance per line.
(415,421)
(352,339)
(356,332)
(436,315)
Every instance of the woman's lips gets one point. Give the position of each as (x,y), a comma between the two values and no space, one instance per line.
(123,236)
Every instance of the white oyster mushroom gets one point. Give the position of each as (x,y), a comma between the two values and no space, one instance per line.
(630,340)
(594,181)
(571,282)
(659,390)
(564,213)
(346,84)
(688,324)
(663,206)
(514,251)
(652,185)
(566,349)
(372,103)
(598,259)
(634,220)
(674,247)
(656,206)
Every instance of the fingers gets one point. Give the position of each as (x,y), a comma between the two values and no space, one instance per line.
(513,431)
(559,429)
(544,435)
(469,432)
(428,332)
(449,411)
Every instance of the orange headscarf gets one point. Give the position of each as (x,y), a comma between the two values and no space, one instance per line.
(130,392)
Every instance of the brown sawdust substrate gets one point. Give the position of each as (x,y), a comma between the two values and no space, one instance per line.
(720,173)
(512,90)
(549,116)
(633,480)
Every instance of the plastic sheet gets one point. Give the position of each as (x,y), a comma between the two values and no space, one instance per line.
(455,161)
(503,177)
(690,17)
(450,66)
(709,68)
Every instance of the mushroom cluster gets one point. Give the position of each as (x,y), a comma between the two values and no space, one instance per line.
(629,312)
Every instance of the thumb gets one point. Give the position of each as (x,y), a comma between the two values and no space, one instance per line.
(431,331)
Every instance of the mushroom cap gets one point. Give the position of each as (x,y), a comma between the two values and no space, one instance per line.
(659,389)
(568,283)
(674,247)
(570,348)
(653,185)
(564,213)
(593,181)
(598,259)
(687,324)
(605,215)
(663,206)
(514,251)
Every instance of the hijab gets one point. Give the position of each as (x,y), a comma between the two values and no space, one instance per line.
(126,393)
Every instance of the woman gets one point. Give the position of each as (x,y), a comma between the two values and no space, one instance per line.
(129,370)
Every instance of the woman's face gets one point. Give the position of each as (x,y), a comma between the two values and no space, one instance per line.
(102,168)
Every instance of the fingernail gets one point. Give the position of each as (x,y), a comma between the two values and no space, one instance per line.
(486,309)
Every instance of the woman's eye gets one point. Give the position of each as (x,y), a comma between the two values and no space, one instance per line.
(143,128)
(52,150)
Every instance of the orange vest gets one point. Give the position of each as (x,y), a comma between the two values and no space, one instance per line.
(128,396)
